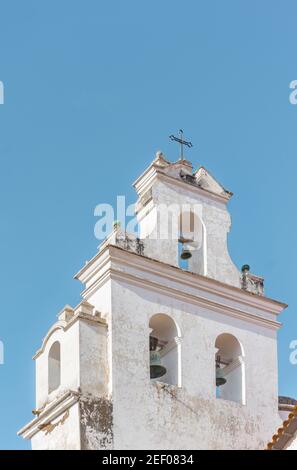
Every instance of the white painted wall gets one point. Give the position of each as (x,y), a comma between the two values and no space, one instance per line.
(54,367)
(93,358)
(195,418)
(69,341)
(83,361)
(214,218)
(113,363)
(63,436)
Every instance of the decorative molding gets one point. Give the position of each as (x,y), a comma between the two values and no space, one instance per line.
(80,313)
(146,180)
(49,413)
(205,193)
(47,428)
(202,302)
(121,260)
(172,273)
(59,325)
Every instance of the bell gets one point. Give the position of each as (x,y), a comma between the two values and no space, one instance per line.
(185,253)
(156,368)
(220,380)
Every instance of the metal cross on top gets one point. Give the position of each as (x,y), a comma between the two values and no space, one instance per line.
(182,142)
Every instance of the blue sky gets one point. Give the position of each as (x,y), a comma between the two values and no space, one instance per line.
(92,90)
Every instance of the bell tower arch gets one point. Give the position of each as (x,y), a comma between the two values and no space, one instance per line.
(177,205)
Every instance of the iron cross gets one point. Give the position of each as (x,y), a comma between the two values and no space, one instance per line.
(182,142)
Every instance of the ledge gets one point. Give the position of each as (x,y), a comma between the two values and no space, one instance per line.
(114,262)
(64,325)
(49,413)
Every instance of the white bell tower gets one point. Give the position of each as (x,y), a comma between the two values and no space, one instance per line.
(176,203)
(162,353)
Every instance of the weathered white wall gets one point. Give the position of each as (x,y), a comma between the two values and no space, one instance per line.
(194,418)
(93,365)
(84,370)
(84,362)
(216,222)
(70,376)
(63,436)
(101,299)
(108,367)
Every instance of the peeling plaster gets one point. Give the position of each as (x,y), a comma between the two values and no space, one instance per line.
(96,423)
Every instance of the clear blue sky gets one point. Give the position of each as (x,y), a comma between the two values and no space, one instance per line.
(92,90)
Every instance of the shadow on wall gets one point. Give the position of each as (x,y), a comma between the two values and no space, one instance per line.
(230,369)
(191,243)
(54,367)
(165,350)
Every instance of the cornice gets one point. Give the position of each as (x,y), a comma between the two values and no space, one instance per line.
(99,282)
(145,181)
(49,413)
(195,300)
(205,193)
(128,266)
(82,274)
(191,279)
(64,326)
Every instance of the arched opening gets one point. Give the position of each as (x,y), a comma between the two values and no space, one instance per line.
(54,367)
(230,369)
(165,350)
(191,242)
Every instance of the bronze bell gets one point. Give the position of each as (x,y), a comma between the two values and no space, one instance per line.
(185,253)
(220,380)
(156,368)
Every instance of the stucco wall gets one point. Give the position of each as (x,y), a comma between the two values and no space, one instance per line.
(214,217)
(70,376)
(64,434)
(93,365)
(148,416)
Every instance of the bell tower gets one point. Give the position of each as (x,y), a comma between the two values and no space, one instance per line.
(171,347)
(176,204)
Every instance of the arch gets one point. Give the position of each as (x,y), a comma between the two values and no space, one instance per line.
(230,368)
(165,339)
(59,325)
(54,367)
(192,237)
